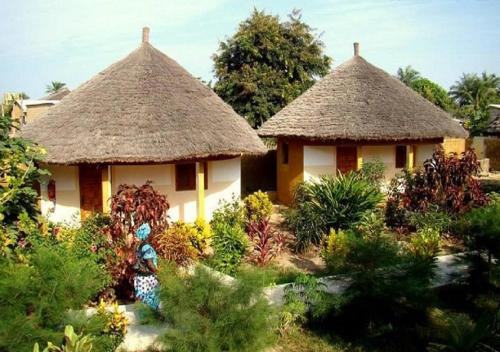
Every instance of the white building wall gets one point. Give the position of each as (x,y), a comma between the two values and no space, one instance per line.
(422,153)
(66,209)
(319,161)
(383,153)
(224,180)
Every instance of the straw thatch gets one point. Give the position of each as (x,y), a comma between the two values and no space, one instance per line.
(493,128)
(143,109)
(358,101)
(57,95)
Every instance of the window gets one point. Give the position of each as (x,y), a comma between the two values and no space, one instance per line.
(284,153)
(400,156)
(185,176)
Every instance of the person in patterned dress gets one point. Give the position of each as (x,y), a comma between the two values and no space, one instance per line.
(145,280)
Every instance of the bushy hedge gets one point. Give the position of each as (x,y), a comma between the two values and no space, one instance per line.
(331,202)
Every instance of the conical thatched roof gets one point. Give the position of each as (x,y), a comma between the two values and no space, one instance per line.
(358,101)
(144,108)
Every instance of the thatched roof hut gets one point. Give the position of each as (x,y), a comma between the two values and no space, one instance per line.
(142,109)
(358,101)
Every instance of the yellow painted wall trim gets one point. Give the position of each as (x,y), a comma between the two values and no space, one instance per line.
(410,159)
(360,157)
(106,189)
(201,190)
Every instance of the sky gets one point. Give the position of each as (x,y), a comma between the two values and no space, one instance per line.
(71,41)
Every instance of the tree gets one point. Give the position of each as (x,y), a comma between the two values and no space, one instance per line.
(54,86)
(407,75)
(474,94)
(432,92)
(267,63)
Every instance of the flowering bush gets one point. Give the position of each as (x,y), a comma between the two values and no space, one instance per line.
(258,207)
(116,323)
(175,244)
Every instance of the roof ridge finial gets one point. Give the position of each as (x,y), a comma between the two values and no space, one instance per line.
(145,34)
(356,48)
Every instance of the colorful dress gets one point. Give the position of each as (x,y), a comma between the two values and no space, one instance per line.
(145,281)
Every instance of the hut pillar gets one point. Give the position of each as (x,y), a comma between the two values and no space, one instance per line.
(410,157)
(106,188)
(200,191)
(360,157)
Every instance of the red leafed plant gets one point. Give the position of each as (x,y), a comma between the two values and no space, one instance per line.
(132,206)
(447,182)
(267,243)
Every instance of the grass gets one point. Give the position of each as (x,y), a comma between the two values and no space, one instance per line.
(300,340)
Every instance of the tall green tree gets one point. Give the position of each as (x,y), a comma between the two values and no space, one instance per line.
(407,75)
(267,63)
(474,93)
(433,92)
(54,86)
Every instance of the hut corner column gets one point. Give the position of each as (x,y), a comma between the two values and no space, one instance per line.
(360,157)
(200,190)
(410,158)
(106,189)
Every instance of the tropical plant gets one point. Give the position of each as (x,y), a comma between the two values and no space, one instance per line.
(267,63)
(206,314)
(230,244)
(257,207)
(425,242)
(72,343)
(407,75)
(474,94)
(330,202)
(54,86)
(175,245)
(433,218)
(35,299)
(266,242)
(116,323)
(482,232)
(447,183)
(202,236)
(457,332)
(132,206)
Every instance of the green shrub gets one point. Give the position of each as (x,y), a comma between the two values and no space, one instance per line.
(431,218)
(373,171)
(230,213)
(229,244)
(207,315)
(425,242)
(387,282)
(338,202)
(258,207)
(35,299)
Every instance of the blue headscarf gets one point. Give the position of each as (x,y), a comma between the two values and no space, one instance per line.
(143,231)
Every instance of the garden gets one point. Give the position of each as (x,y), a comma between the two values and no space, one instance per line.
(384,247)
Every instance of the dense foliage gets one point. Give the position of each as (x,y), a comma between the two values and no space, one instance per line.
(338,202)
(267,63)
(206,314)
(35,298)
(473,94)
(132,206)
(175,245)
(407,75)
(19,174)
(433,93)
(447,183)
